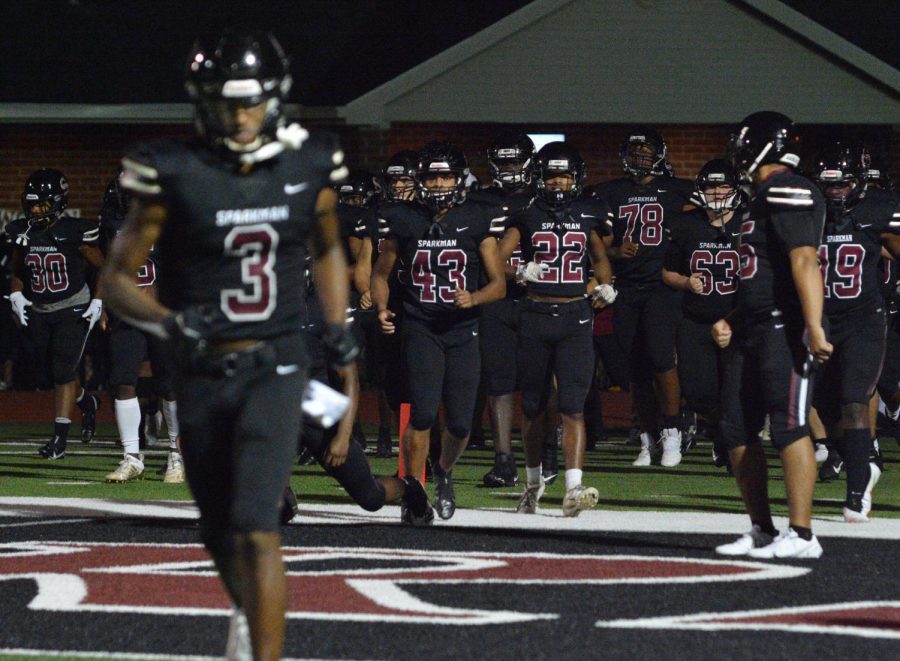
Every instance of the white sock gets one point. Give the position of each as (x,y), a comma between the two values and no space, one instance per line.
(128,419)
(573,477)
(170,413)
(533,475)
(646,441)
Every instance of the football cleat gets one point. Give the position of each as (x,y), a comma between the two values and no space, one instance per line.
(756,538)
(549,464)
(306,458)
(174,469)
(89,421)
(503,474)
(788,545)
(821,453)
(55,448)
(444,498)
(384,449)
(578,499)
(130,468)
(670,440)
(858,507)
(528,503)
(689,431)
(237,646)
(415,509)
(649,451)
(831,468)
(720,456)
(289,505)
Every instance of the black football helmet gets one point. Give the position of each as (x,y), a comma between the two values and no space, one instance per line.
(115,200)
(644,153)
(403,164)
(762,138)
(714,174)
(243,70)
(437,158)
(357,189)
(839,173)
(510,160)
(45,197)
(554,159)
(873,172)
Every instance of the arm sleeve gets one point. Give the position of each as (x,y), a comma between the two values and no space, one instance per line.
(90,233)
(796,215)
(141,172)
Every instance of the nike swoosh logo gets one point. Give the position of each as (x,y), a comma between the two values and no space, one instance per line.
(475,333)
(462,229)
(282,370)
(869,225)
(661,190)
(77,309)
(779,325)
(584,215)
(583,321)
(293,189)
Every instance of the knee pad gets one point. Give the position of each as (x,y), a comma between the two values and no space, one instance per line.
(458,430)
(421,421)
(531,406)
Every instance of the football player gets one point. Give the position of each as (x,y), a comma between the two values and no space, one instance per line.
(232,216)
(560,236)
(702,260)
(446,241)
(857,228)
(128,347)
(645,318)
(51,253)
(510,162)
(774,337)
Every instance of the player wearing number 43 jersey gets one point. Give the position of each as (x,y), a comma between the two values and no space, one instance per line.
(51,253)
(856,230)
(646,314)
(232,216)
(444,244)
(561,237)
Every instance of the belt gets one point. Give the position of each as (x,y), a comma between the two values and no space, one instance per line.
(227,364)
(554,309)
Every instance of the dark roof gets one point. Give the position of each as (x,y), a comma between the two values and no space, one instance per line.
(130,51)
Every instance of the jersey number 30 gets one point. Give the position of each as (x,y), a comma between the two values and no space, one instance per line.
(256,246)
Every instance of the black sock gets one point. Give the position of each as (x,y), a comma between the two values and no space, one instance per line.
(86,402)
(855,447)
(803,533)
(61,428)
(767,527)
(672,421)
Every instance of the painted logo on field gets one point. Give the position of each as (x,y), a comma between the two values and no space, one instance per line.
(359,584)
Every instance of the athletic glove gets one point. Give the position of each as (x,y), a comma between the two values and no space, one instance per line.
(189,331)
(341,348)
(605,294)
(531,272)
(93,312)
(19,304)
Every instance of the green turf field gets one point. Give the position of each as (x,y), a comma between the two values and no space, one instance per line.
(695,485)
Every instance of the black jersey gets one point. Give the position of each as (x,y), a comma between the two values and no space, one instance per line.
(785,212)
(640,215)
(850,257)
(439,257)
(111,220)
(697,246)
(561,238)
(53,258)
(236,242)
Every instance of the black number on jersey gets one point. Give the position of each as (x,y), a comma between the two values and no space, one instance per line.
(255,245)
(547,250)
(48,273)
(651,217)
(843,278)
(702,262)
(453,260)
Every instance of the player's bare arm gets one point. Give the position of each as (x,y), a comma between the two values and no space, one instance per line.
(140,231)
(495,289)
(508,244)
(808,281)
(329,264)
(379,285)
(362,272)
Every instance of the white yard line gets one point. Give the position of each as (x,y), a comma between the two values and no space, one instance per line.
(340,514)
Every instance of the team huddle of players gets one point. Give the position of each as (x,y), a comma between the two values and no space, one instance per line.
(454,287)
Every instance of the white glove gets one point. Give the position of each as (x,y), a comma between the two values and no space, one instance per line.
(605,294)
(92,314)
(530,272)
(19,304)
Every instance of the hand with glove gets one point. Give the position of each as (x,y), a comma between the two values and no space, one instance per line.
(189,331)
(605,294)
(341,348)
(19,304)
(531,272)
(93,312)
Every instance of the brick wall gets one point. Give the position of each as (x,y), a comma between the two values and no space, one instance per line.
(89,154)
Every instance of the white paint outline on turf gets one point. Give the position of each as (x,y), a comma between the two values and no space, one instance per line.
(699,621)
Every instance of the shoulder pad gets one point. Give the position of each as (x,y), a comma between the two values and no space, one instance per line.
(144,165)
(324,149)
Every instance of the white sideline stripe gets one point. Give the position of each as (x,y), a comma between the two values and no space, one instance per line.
(70,654)
(43,522)
(502,519)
